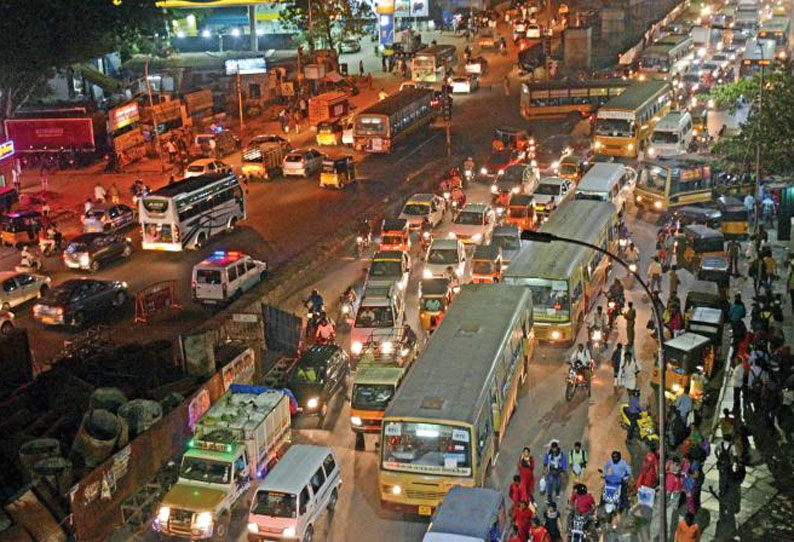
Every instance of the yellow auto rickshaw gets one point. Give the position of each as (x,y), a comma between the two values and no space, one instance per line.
(338,172)
(329,132)
(572,167)
(521,212)
(486,265)
(395,235)
(435,295)
(735,218)
(21,228)
(697,242)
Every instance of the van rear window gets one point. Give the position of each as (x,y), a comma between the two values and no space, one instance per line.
(208,276)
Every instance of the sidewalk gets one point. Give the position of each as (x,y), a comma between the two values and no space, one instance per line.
(68,190)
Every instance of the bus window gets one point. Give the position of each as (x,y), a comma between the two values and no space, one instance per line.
(577,292)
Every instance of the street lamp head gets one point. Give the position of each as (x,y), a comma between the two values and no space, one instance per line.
(206,33)
(539,236)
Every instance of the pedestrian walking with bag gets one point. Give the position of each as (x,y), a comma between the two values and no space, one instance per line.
(555,464)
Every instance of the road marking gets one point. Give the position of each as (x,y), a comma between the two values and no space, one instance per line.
(425,142)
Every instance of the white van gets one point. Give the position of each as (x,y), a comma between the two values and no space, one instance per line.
(470,514)
(289,500)
(604,181)
(225,276)
(672,135)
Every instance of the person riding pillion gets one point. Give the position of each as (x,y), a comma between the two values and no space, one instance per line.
(598,320)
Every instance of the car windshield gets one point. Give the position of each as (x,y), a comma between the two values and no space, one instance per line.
(374,317)
(295,158)
(308,375)
(614,127)
(416,209)
(428,448)
(506,242)
(371,396)
(483,267)
(274,504)
(205,470)
(469,218)
(196,168)
(550,299)
(548,190)
(76,247)
(442,256)
(386,268)
(208,276)
(664,137)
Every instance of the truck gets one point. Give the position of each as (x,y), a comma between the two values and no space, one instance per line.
(379,372)
(329,105)
(237,440)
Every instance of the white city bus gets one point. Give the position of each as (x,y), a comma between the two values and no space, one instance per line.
(431,64)
(187,213)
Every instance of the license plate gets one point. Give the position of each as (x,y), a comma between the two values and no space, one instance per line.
(47,320)
(425,511)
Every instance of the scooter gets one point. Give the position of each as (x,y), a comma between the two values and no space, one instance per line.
(646,425)
(597,341)
(610,497)
(362,243)
(581,528)
(346,313)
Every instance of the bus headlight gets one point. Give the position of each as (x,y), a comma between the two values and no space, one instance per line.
(203,521)
(396,490)
(555,335)
(312,403)
(630,146)
(355,420)
(657,204)
(163,514)
(356,347)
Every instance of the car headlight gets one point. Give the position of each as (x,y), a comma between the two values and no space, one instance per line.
(355,420)
(396,490)
(427,274)
(651,151)
(312,403)
(85,260)
(657,204)
(598,145)
(633,267)
(386,347)
(356,348)
(163,514)
(204,520)
(253,528)
(494,189)
(451,235)
(630,146)
(289,532)
(555,335)
(484,171)
(477,237)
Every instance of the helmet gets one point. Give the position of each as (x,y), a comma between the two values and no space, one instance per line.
(315,292)
(581,489)
(616,456)
(599,308)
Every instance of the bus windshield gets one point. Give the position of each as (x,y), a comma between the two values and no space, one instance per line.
(614,127)
(371,396)
(431,448)
(653,178)
(550,298)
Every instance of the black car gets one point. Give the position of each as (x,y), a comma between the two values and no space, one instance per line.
(77,301)
(319,375)
(93,250)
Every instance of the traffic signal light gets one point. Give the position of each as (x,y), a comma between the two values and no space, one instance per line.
(446,104)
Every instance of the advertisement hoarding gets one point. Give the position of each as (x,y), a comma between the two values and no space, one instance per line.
(51,134)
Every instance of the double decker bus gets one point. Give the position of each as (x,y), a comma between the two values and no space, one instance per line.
(757,55)
(557,99)
(445,423)
(565,279)
(381,126)
(779,30)
(430,65)
(624,125)
(665,58)
(187,213)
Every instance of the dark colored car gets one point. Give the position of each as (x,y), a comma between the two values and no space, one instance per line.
(319,375)
(77,301)
(91,251)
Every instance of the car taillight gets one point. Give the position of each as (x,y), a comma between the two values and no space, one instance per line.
(59,311)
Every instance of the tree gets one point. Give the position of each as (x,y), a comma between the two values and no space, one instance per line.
(43,36)
(771,127)
(331,19)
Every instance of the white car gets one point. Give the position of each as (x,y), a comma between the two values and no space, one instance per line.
(533,32)
(206,165)
(473,224)
(6,322)
(551,191)
(476,66)
(464,84)
(225,276)
(444,253)
(17,288)
(423,206)
(303,163)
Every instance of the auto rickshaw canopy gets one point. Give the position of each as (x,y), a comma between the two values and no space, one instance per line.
(329,126)
(706,216)
(521,200)
(703,239)
(392,225)
(489,252)
(438,287)
(703,293)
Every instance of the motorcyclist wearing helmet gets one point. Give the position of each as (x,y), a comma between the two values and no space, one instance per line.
(425,234)
(618,472)
(325,333)
(315,301)
(582,502)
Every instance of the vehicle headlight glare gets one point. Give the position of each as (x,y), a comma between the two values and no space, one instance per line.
(312,403)
(85,259)
(477,237)
(657,204)
(386,347)
(253,528)
(484,171)
(163,514)
(204,520)
(427,274)
(494,189)
(288,532)
(356,347)
(355,420)
(555,335)
(396,490)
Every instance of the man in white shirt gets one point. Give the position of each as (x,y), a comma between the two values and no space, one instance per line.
(737,382)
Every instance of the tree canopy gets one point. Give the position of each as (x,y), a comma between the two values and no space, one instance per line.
(42,36)
(771,126)
(331,19)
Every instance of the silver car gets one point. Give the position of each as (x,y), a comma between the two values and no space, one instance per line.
(303,163)
(17,288)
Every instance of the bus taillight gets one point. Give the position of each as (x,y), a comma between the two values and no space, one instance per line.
(176,233)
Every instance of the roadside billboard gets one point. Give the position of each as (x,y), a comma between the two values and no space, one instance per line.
(30,135)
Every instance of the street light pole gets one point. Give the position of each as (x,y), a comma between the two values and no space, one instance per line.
(544,237)
(757,189)
(154,115)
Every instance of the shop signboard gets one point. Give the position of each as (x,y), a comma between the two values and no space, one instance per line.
(30,135)
(6,149)
(245,66)
(123,116)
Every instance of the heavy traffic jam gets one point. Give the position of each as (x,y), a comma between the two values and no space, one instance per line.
(468,362)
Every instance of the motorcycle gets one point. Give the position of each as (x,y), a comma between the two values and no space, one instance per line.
(346,313)
(610,497)
(362,244)
(597,340)
(425,238)
(312,319)
(647,428)
(575,379)
(32,265)
(324,341)
(48,249)
(581,528)
(468,175)
(628,282)
(613,310)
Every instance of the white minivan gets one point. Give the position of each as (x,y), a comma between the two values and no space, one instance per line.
(607,181)
(225,276)
(672,135)
(288,502)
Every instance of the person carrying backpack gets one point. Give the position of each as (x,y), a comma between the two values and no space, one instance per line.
(577,459)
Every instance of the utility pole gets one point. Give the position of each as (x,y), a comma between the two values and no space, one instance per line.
(158,145)
(240,101)
(758,132)
(252,28)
